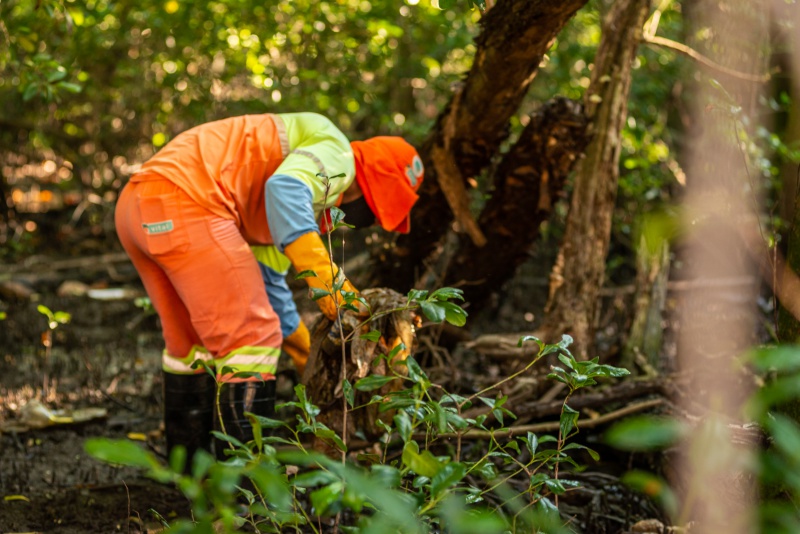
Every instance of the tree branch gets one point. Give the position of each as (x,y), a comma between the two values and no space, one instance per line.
(553,426)
(700,58)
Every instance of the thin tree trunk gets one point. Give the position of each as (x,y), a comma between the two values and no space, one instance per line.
(578,274)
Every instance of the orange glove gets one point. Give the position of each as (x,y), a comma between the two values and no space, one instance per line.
(308,253)
(298,346)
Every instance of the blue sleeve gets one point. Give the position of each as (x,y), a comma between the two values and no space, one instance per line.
(290,209)
(280,298)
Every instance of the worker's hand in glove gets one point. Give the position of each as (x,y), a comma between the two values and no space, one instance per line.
(325,280)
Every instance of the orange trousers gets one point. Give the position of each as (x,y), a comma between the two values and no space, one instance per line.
(200,274)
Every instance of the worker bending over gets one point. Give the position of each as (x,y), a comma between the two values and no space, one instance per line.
(187,220)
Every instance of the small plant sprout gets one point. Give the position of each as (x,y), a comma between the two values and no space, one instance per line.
(54,320)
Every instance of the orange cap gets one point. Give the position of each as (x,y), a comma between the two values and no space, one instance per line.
(389,172)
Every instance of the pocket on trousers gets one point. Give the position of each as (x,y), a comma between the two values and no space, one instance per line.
(164,231)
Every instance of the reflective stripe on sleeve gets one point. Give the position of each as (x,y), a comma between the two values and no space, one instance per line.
(283,137)
(315,159)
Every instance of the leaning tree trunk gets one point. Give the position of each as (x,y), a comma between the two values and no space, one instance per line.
(515,36)
(527,182)
(580,267)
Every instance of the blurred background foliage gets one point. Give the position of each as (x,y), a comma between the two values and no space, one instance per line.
(92,88)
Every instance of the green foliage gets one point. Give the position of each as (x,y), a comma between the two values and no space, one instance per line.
(645,433)
(128,74)
(773,407)
(145,304)
(54,319)
(427,487)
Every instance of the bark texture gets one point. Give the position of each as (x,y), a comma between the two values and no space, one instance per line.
(515,36)
(527,182)
(324,375)
(578,275)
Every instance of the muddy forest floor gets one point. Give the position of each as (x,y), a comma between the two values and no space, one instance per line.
(108,357)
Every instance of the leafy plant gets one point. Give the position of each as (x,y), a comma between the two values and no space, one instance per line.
(54,320)
(417,483)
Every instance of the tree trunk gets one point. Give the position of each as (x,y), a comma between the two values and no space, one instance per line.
(580,267)
(527,182)
(646,334)
(324,375)
(515,36)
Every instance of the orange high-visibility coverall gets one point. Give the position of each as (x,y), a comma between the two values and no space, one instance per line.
(187,220)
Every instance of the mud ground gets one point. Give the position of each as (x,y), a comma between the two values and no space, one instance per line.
(108,357)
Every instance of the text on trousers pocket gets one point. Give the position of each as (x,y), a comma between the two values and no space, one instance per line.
(162,225)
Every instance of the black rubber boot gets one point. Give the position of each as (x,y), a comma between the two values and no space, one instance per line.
(189,412)
(238,397)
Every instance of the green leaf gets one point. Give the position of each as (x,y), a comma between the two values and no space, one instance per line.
(323,432)
(439,417)
(229,439)
(555,486)
(373,335)
(449,475)
(531,442)
(317,477)
(177,459)
(338,280)
(415,372)
(120,451)
(607,371)
(305,403)
(783,359)
(535,339)
(206,367)
(337,215)
(57,75)
(387,475)
(445,293)
(567,360)
(424,463)
(395,351)
(319,293)
(373,382)
(433,310)
(69,87)
(417,294)
(454,314)
(403,424)
(569,418)
(30,91)
(308,273)
(349,394)
(266,422)
(256,426)
(644,433)
(324,498)
(594,454)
